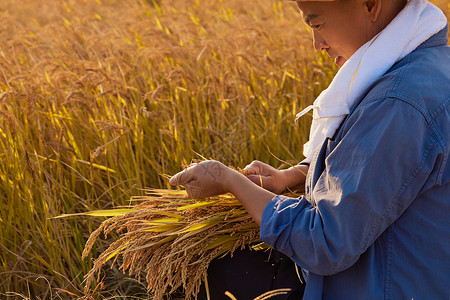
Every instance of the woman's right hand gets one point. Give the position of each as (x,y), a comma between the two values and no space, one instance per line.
(274,180)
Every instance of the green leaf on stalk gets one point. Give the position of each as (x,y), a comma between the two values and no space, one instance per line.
(117,251)
(196,205)
(220,241)
(163,228)
(100,213)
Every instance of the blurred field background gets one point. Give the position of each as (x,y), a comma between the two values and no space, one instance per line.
(100,99)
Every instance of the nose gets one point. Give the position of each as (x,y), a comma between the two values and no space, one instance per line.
(319,43)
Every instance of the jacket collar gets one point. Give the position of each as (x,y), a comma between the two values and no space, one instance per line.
(439,39)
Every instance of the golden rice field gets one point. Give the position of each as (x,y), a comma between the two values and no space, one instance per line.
(100,99)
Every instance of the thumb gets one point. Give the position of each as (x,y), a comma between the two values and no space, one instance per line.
(181,178)
(174,179)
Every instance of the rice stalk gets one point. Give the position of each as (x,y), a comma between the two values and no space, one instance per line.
(172,239)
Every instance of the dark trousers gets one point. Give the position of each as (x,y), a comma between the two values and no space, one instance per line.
(250,273)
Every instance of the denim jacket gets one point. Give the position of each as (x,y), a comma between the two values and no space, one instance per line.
(374,222)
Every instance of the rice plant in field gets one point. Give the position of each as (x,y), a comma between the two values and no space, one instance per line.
(98,98)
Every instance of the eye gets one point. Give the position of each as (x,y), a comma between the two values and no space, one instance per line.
(315,27)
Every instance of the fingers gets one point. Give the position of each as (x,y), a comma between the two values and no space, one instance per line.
(182,178)
(254,167)
(187,179)
(195,191)
(257,179)
(205,179)
(256,172)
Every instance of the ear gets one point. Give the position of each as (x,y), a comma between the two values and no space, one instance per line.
(373,8)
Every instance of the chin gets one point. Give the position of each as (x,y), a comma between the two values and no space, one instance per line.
(340,61)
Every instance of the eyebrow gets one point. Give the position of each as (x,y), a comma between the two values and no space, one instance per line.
(309,17)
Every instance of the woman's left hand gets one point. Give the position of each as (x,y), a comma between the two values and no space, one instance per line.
(204,179)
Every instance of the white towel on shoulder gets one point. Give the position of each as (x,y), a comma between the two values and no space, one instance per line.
(418,21)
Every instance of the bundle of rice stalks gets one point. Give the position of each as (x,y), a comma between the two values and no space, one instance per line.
(173,239)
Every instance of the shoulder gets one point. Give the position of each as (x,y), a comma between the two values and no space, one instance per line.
(414,94)
(421,79)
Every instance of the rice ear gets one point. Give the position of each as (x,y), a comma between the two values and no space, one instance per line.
(172,238)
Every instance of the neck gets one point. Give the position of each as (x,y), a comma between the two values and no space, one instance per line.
(389,10)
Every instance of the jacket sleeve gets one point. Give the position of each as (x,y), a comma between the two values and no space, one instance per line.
(370,178)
